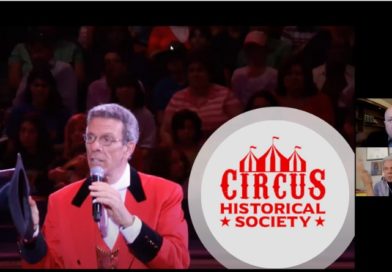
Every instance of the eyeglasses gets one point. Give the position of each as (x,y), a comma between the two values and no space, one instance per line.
(104,140)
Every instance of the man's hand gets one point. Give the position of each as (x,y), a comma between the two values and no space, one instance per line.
(34,212)
(112,202)
(365,177)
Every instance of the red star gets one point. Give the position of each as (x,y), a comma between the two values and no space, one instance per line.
(320,221)
(225,221)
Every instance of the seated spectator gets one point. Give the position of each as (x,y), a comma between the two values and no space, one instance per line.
(215,104)
(129,93)
(171,163)
(175,80)
(277,50)
(98,40)
(297,90)
(20,60)
(34,145)
(116,65)
(41,50)
(255,75)
(199,38)
(72,165)
(40,96)
(186,133)
(200,42)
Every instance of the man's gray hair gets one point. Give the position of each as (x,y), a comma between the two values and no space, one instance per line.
(117,112)
(388,158)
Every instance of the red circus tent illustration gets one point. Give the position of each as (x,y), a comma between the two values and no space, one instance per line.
(249,162)
(272,160)
(296,162)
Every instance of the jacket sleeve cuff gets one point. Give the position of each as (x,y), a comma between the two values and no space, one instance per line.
(147,244)
(33,251)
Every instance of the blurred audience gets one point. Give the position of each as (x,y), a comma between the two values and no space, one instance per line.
(22,56)
(277,50)
(130,94)
(34,145)
(297,90)
(116,65)
(41,52)
(174,80)
(172,164)
(186,133)
(181,82)
(215,104)
(40,96)
(71,165)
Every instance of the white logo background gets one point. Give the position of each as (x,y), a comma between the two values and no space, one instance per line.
(322,147)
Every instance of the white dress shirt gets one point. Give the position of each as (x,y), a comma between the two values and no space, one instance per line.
(110,229)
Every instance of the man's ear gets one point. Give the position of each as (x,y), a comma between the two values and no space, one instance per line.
(130,148)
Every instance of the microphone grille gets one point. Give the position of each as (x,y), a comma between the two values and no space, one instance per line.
(97,171)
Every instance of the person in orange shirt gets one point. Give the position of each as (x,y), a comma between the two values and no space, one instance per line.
(142,224)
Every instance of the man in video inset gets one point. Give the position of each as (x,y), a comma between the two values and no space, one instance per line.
(384,186)
(380,138)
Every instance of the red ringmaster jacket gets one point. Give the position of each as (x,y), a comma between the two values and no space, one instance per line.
(71,234)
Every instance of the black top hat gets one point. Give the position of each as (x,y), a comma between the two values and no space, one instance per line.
(18,201)
(17,191)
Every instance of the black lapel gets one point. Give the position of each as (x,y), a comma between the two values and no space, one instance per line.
(135,188)
(82,193)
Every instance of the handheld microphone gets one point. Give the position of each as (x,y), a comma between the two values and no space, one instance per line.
(97,175)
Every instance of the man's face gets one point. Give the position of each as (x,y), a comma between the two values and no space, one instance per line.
(388,122)
(387,170)
(111,157)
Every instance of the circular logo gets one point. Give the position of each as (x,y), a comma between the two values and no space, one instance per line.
(274,188)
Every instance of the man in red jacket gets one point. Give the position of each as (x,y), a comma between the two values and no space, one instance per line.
(142,224)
